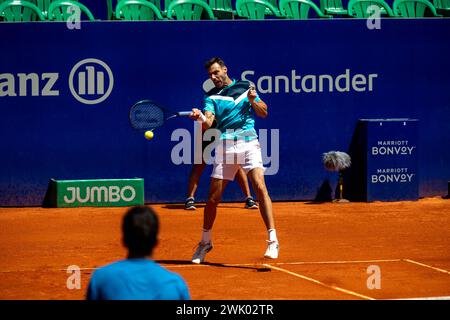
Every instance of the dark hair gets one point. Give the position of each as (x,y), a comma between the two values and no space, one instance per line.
(140,230)
(211,61)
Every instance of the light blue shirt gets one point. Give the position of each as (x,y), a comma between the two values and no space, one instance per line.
(232,110)
(136,279)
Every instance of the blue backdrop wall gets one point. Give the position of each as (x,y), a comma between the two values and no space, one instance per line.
(65,117)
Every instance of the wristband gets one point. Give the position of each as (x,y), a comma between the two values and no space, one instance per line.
(202,118)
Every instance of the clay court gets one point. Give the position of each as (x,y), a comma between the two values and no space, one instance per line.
(325,250)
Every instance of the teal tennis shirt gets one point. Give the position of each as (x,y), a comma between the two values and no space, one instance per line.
(136,279)
(232,110)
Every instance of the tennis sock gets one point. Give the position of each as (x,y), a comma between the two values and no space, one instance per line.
(206,236)
(272,235)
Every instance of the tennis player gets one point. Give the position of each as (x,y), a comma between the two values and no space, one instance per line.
(232,104)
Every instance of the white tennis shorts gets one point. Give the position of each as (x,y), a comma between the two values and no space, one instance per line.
(230,155)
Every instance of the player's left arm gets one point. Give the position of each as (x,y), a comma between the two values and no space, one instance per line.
(258,105)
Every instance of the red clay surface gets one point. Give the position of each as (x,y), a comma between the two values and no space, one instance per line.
(325,250)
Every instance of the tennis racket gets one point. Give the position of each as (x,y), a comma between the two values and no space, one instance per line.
(147,115)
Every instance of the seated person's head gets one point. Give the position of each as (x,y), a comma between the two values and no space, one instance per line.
(140,230)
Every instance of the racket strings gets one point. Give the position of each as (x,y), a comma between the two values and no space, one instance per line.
(146,116)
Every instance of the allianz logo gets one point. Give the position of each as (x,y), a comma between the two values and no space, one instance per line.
(99,194)
(91,81)
(394,175)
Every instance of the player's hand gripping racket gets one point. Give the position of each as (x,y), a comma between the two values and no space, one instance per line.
(147,115)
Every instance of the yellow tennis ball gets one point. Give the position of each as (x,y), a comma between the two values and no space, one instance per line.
(148,135)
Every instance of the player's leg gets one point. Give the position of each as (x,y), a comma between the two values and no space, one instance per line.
(221,174)
(215,196)
(242,180)
(209,216)
(256,176)
(255,171)
(194,178)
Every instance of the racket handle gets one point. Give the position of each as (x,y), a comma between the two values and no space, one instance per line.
(184,113)
(189,113)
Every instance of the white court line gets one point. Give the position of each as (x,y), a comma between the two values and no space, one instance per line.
(338,262)
(191,265)
(319,282)
(425,298)
(293,263)
(43,270)
(427,266)
(283,263)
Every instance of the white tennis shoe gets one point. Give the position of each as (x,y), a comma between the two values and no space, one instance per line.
(201,251)
(272,250)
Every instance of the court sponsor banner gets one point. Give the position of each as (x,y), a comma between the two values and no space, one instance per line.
(392,162)
(65,96)
(97,193)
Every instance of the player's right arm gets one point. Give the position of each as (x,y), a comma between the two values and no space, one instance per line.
(196,115)
(209,110)
(209,120)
